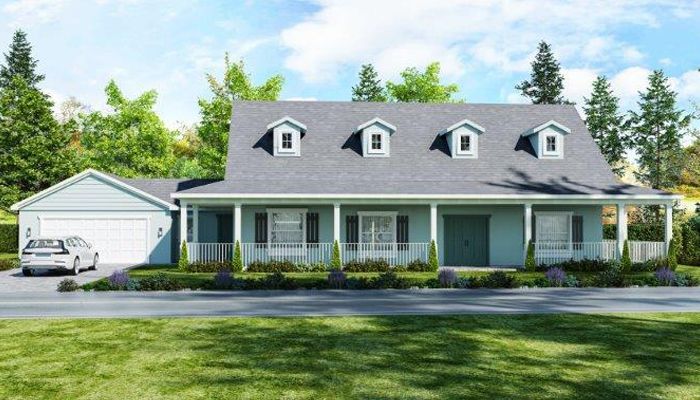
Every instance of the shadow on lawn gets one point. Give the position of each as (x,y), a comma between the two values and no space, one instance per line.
(556,356)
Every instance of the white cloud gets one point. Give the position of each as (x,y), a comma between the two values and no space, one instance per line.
(665,62)
(30,12)
(578,83)
(500,34)
(628,83)
(688,86)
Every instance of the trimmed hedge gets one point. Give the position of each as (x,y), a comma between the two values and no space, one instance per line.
(9,234)
(285,266)
(641,232)
(366,266)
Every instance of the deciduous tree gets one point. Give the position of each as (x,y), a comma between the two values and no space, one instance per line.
(422,87)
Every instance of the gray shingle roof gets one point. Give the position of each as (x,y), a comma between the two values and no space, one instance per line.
(163,188)
(331,160)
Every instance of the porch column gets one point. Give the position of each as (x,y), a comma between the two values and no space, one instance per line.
(195,223)
(237,223)
(183,222)
(433,222)
(621,227)
(668,227)
(527,234)
(336,222)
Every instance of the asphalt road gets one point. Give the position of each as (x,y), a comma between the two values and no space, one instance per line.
(328,302)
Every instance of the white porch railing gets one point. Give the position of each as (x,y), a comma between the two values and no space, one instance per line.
(308,253)
(393,253)
(208,252)
(643,251)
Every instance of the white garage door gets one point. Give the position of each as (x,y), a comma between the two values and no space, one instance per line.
(118,240)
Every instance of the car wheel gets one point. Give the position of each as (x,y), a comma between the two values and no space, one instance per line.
(26,272)
(76,266)
(94,262)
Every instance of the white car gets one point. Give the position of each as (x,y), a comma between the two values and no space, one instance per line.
(69,253)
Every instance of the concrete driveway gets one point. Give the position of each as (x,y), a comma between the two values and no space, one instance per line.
(13,280)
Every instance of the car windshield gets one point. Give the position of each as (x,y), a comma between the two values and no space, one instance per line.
(45,244)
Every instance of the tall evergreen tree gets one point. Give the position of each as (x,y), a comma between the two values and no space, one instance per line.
(19,61)
(422,87)
(369,88)
(656,132)
(546,81)
(34,151)
(605,123)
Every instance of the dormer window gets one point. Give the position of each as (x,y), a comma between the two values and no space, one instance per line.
(463,139)
(286,137)
(548,139)
(376,135)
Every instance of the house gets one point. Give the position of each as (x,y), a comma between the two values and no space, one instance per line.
(381,179)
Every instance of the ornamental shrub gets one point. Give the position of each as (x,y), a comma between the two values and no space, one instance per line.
(433,260)
(9,235)
(612,277)
(584,265)
(555,276)
(118,280)
(11,263)
(208,266)
(571,281)
(336,262)
(626,261)
(336,279)
(183,261)
(419,265)
(530,263)
(159,281)
(498,280)
(672,255)
(690,236)
(272,266)
(447,277)
(237,259)
(313,267)
(665,276)
(389,280)
(223,279)
(366,266)
(68,285)
(277,281)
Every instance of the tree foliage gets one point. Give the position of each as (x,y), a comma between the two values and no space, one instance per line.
(369,88)
(656,131)
(546,81)
(130,141)
(34,151)
(422,87)
(605,124)
(216,112)
(19,62)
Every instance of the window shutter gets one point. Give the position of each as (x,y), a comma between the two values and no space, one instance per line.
(352,229)
(577,228)
(260,227)
(312,228)
(534,229)
(402,231)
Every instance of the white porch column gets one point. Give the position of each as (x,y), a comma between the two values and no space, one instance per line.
(183,222)
(527,234)
(668,227)
(433,222)
(621,227)
(237,223)
(336,222)
(195,223)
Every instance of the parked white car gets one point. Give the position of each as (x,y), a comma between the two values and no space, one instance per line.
(68,253)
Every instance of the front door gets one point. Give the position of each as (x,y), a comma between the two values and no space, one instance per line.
(466,240)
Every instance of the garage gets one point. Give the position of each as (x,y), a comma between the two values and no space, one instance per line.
(126,223)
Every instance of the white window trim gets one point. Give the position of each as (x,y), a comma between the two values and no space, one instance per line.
(569,214)
(273,248)
(472,144)
(382,149)
(281,148)
(392,214)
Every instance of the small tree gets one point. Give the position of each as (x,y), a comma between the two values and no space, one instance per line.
(672,255)
(546,82)
(369,87)
(626,260)
(184,261)
(530,263)
(433,257)
(336,262)
(237,261)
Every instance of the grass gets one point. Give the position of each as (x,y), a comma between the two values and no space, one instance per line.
(641,356)
(7,256)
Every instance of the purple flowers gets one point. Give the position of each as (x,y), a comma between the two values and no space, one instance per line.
(665,276)
(119,279)
(336,279)
(223,279)
(556,276)
(447,277)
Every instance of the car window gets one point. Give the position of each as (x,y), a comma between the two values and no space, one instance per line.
(81,242)
(70,242)
(45,244)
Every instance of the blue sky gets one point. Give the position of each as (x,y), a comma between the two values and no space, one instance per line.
(318,46)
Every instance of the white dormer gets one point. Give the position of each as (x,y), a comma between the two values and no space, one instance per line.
(548,139)
(376,137)
(463,139)
(286,137)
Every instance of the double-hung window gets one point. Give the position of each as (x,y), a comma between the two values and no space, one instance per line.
(287,231)
(553,230)
(465,143)
(376,144)
(286,142)
(550,144)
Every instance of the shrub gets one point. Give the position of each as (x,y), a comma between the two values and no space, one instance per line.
(208,266)
(223,279)
(183,261)
(584,265)
(313,267)
(399,268)
(555,276)
(272,266)
(336,262)
(68,285)
(447,277)
(626,261)
(367,266)
(690,236)
(530,263)
(463,282)
(9,264)
(672,255)
(389,280)
(237,259)
(685,280)
(612,277)
(276,281)
(571,281)
(665,276)
(419,265)
(357,283)
(336,279)
(498,280)
(650,265)
(433,260)
(9,235)
(640,231)
(159,281)
(118,280)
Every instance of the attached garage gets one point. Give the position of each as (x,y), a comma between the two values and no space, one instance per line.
(126,224)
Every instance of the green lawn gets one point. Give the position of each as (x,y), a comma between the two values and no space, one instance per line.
(641,356)
(7,256)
